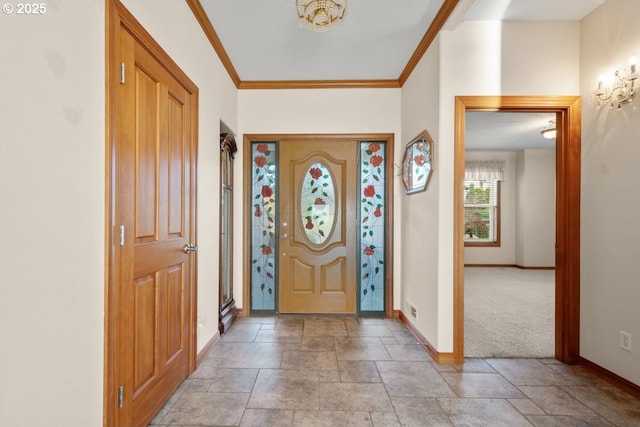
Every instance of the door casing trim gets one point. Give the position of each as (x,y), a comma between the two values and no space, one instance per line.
(568,111)
(310,138)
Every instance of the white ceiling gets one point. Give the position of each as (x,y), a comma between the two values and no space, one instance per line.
(375,42)
(265,42)
(506,131)
(531,10)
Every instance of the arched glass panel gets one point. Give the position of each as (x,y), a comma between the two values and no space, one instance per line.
(317,203)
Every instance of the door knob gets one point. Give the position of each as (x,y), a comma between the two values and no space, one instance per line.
(189,247)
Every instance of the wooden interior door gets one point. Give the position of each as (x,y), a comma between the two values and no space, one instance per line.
(317,211)
(154,229)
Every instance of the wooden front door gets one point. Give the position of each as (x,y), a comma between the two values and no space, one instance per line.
(153,231)
(317,241)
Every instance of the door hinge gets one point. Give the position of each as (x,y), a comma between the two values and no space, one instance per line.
(121,238)
(122,73)
(120,396)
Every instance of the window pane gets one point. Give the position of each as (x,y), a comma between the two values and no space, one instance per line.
(479,192)
(477,222)
(481,204)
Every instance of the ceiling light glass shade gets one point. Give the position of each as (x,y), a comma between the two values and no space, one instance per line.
(550,131)
(321,15)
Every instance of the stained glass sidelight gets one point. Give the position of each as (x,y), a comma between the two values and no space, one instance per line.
(372,227)
(263,226)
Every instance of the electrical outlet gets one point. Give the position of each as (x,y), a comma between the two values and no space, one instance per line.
(414,313)
(625,341)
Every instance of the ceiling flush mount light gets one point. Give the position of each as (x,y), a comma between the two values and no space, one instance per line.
(321,15)
(550,131)
(617,88)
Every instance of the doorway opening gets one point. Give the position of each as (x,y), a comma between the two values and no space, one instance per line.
(567,256)
(509,254)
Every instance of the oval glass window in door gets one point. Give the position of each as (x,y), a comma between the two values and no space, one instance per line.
(317,203)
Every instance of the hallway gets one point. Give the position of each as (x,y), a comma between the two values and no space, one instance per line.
(339,371)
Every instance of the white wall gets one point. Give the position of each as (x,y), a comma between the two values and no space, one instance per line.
(536,207)
(610,276)
(174,27)
(52,183)
(317,111)
(420,101)
(483,58)
(52,176)
(506,252)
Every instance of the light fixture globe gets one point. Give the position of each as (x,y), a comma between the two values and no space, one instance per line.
(550,131)
(321,15)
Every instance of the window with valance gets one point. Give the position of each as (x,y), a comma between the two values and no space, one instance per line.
(482,202)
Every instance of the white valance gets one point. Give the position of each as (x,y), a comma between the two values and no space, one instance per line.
(486,170)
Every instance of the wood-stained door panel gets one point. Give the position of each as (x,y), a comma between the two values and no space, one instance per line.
(144,296)
(317,244)
(161,139)
(146,132)
(175,338)
(151,331)
(333,276)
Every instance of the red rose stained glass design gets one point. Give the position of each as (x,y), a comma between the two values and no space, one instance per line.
(317,203)
(263,196)
(372,226)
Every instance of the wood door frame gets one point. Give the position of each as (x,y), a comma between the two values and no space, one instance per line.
(247,205)
(568,111)
(118,16)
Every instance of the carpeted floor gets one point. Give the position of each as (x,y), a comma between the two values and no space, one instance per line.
(509,312)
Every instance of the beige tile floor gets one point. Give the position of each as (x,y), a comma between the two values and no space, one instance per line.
(335,371)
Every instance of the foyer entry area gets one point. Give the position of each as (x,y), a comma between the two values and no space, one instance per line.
(338,371)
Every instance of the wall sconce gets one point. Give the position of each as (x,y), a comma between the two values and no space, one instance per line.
(619,88)
(550,131)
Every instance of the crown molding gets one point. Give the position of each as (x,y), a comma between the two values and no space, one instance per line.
(319,84)
(432,32)
(438,22)
(207,28)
